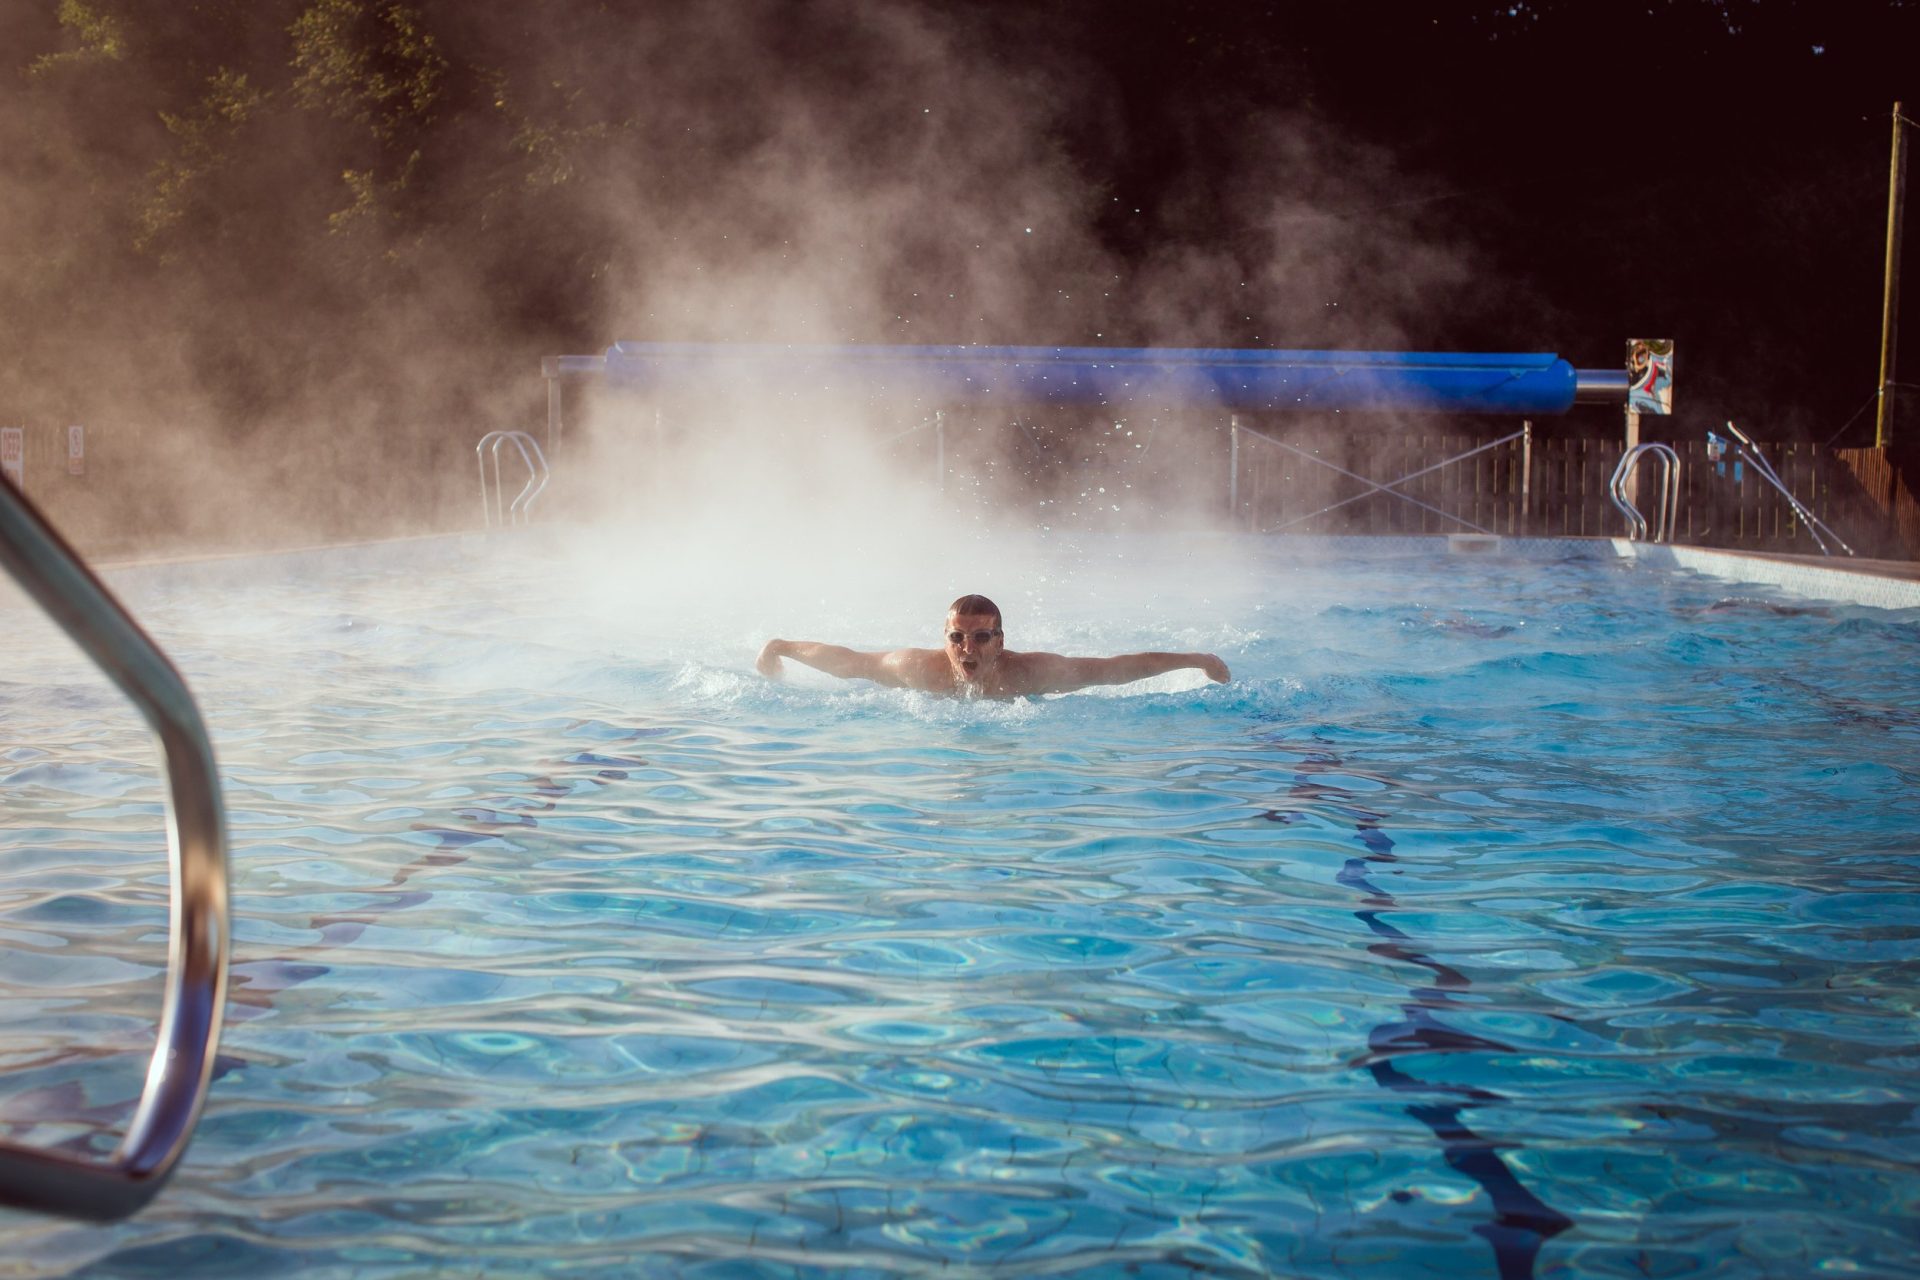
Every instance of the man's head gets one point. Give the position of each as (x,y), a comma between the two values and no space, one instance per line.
(973,637)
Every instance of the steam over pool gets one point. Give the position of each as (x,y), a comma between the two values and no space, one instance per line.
(1498,916)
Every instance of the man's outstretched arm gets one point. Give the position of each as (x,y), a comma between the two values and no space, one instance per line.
(835,660)
(1056,674)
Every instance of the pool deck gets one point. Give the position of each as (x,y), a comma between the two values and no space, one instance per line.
(1885,584)
(1905,569)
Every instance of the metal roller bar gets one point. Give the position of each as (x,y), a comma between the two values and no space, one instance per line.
(1523,384)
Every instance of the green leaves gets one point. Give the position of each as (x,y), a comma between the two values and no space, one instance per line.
(373,65)
(204,141)
(95,36)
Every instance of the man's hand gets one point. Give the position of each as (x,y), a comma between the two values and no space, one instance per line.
(768,663)
(1216,670)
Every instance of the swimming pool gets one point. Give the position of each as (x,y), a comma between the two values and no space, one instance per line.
(1505,916)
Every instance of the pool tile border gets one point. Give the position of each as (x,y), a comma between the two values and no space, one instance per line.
(1821,581)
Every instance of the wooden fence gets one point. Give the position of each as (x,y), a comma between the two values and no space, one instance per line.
(146,487)
(1548,487)
(143,488)
(1889,480)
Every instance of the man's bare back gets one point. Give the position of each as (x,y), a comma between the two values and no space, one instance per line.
(976,663)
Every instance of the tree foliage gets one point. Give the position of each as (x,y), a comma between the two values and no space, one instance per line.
(268,205)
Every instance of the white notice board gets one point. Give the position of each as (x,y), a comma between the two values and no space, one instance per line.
(76,451)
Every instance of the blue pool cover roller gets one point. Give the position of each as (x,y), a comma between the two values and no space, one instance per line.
(1235,379)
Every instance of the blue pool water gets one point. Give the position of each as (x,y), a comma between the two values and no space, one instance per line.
(1502,918)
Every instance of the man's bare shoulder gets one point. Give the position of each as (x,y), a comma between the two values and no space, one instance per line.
(923,669)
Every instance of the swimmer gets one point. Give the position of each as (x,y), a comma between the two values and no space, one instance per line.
(977,664)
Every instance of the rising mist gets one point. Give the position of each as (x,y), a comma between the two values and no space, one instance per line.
(289,261)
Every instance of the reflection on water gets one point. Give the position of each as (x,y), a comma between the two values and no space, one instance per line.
(581,949)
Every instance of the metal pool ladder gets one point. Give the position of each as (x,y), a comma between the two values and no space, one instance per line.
(51,1181)
(491,513)
(1669,490)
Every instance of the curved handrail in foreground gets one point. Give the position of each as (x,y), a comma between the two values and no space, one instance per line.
(55,576)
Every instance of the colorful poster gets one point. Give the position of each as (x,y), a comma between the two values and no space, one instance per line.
(1650,375)
(76,451)
(13,456)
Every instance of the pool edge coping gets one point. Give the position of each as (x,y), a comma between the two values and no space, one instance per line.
(1886,585)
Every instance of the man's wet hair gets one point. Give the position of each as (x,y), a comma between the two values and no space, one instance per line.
(975,605)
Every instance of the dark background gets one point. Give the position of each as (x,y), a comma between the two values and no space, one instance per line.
(253,214)
(1715,172)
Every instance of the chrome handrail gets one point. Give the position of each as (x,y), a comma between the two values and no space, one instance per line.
(491,512)
(537,473)
(181,1068)
(1669,491)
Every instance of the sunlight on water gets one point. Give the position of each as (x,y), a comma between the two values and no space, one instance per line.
(1497,916)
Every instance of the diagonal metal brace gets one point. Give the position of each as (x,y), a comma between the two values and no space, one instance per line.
(1391,486)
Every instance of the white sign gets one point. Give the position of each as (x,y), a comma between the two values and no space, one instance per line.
(76,451)
(13,456)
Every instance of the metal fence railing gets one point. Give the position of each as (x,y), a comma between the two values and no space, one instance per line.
(1542,487)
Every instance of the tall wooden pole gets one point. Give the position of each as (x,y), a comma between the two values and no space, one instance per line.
(1890,298)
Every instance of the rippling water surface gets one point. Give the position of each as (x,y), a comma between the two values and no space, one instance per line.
(1499,919)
